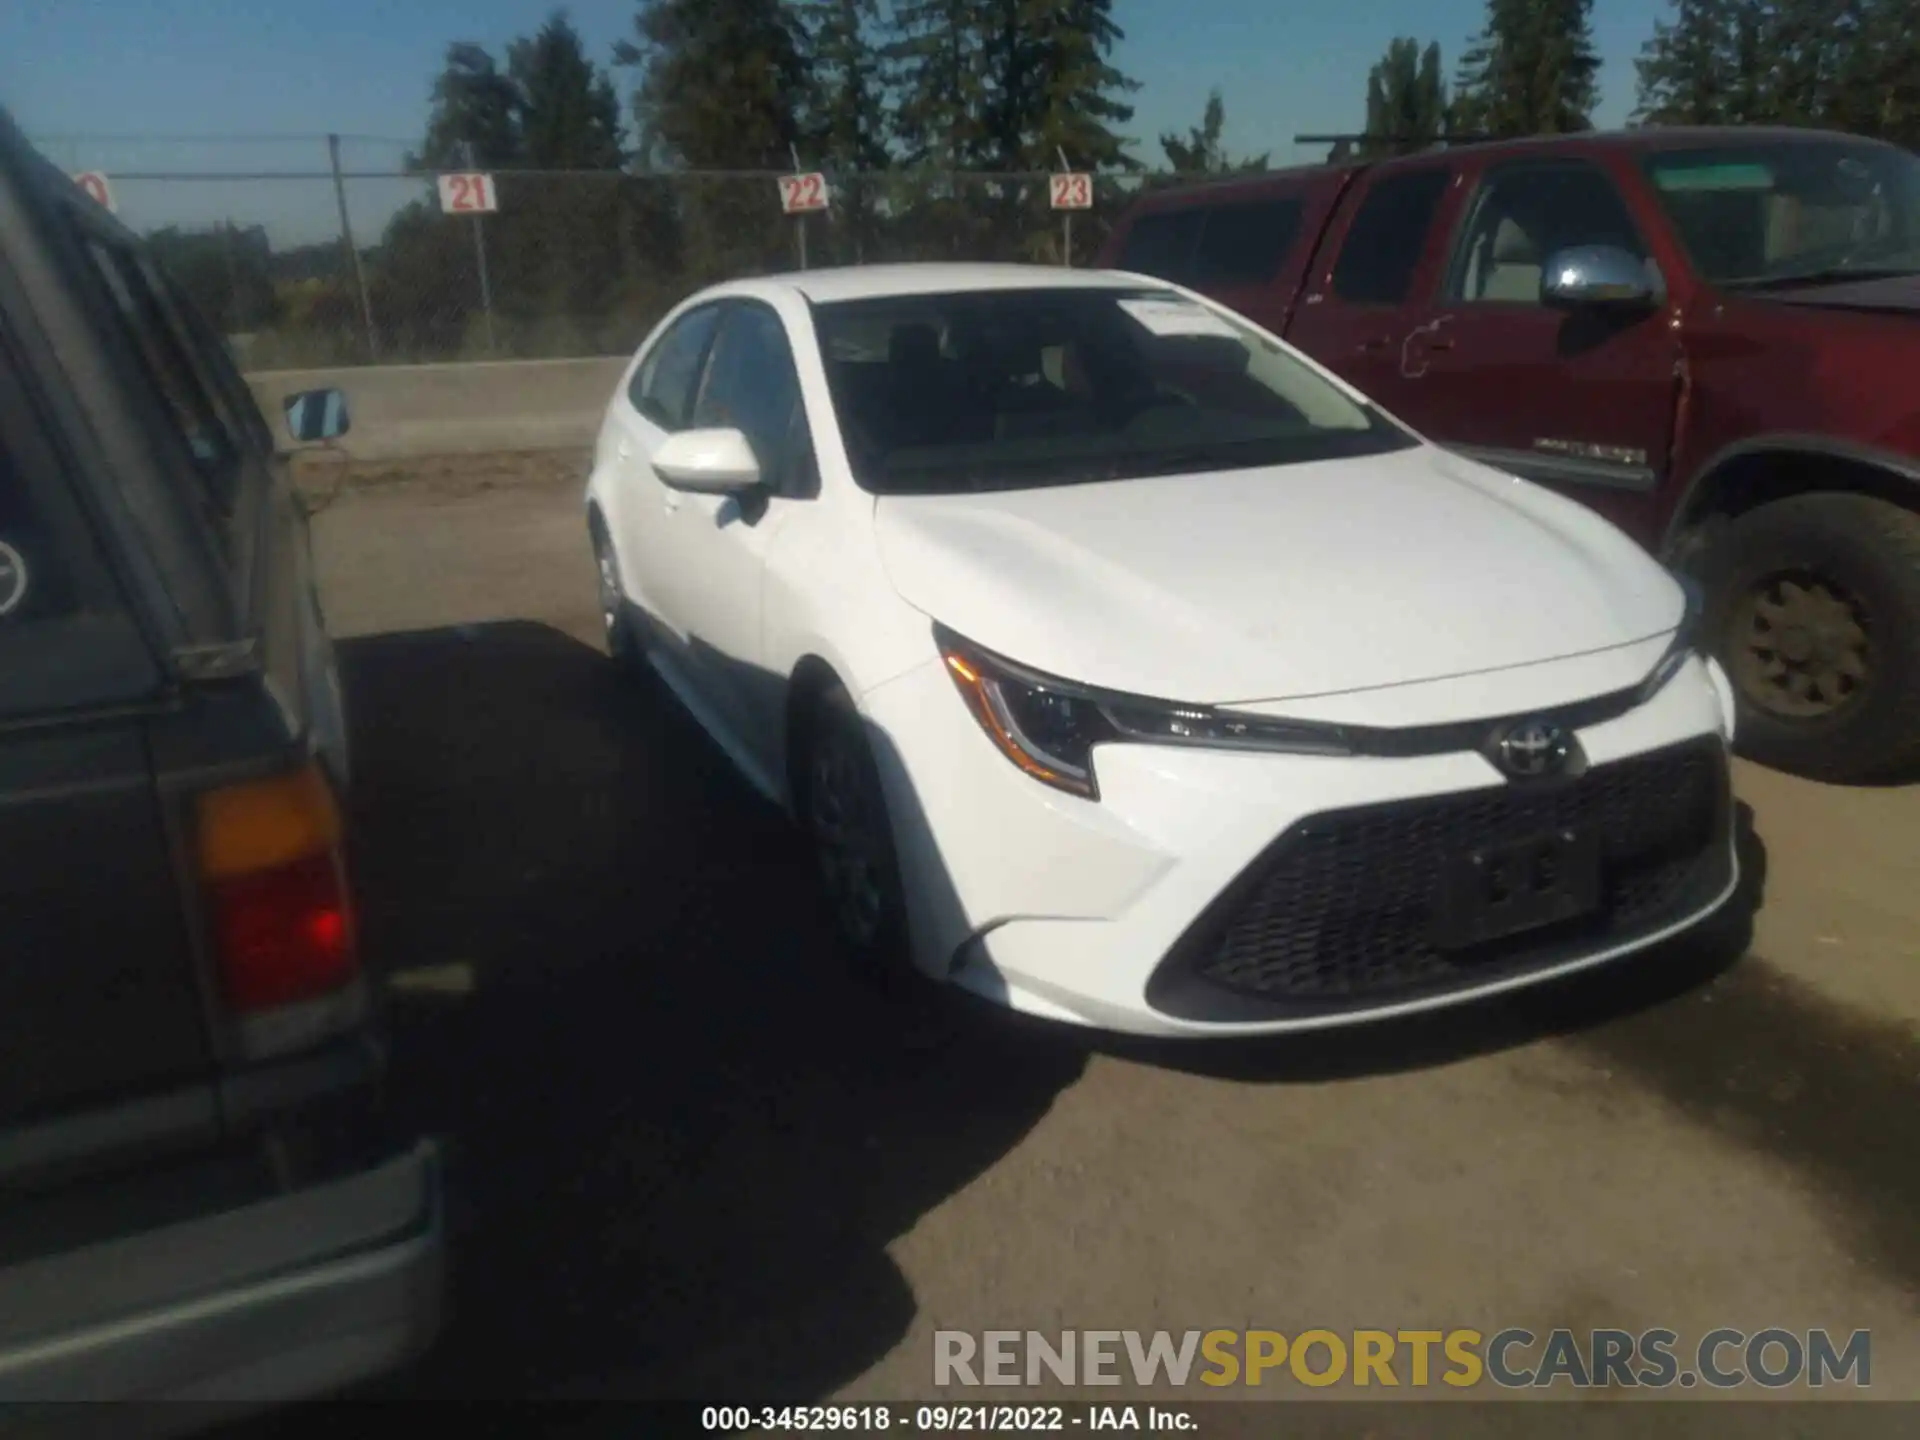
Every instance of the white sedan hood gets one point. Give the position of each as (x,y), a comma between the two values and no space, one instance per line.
(1277,583)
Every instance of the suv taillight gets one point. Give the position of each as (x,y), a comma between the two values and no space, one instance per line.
(277,904)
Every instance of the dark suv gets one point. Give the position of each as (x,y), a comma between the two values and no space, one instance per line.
(198,1193)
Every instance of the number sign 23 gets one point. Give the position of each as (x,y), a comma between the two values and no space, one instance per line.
(1072,191)
(468,195)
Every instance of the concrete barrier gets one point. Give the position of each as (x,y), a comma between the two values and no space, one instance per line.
(406,410)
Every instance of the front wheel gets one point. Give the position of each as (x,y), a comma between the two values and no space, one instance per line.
(615,621)
(1814,610)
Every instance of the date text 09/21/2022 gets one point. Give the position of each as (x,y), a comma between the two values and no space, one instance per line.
(945,1419)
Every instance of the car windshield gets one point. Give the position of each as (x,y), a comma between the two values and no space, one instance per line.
(1785,212)
(1017,389)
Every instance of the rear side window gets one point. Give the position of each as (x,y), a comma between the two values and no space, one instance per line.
(1389,232)
(662,388)
(161,344)
(66,638)
(1161,244)
(1244,244)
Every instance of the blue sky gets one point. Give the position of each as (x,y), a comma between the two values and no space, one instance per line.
(261,69)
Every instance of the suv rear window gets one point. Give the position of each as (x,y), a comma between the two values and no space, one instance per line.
(67,640)
(1238,243)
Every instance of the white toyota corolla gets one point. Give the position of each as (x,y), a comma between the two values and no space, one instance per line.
(1126,667)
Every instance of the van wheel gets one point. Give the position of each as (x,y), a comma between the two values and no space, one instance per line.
(1814,610)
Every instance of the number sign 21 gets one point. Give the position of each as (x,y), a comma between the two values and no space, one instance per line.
(468,195)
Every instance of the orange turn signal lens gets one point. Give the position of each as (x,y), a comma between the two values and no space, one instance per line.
(264,824)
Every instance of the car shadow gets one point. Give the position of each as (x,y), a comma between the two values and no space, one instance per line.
(1574,1005)
(679,1139)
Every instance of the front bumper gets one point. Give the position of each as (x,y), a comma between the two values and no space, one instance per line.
(1094,912)
(279,1300)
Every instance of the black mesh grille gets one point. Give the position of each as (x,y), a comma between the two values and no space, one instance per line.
(1341,911)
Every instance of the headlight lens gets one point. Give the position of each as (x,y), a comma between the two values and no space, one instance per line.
(1686,639)
(1048,727)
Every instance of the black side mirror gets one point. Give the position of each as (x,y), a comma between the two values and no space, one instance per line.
(317,416)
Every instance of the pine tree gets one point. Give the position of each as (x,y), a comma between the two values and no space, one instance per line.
(1406,100)
(1201,151)
(473,104)
(936,65)
(569,113)
(571,250)
(722,87)
(1842,64)
(845,122)
(1532,71)
(1077,92)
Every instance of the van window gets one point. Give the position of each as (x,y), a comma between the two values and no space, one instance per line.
(67,640)
(166,358)
(1527,211)
(1161,244)
(1388,235)
(1244,243)
(1241,243)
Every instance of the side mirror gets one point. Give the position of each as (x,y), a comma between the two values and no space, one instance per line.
(316,416)
(1587,276)
(707,462)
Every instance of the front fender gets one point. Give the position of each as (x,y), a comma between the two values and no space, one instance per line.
(1902,469)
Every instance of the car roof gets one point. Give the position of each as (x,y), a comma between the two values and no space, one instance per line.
(874,282)
(1644,139)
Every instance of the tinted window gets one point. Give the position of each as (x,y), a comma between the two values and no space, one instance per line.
(1383,245)
(1019,389)
(1244,244)
(164,354)
(752,386)
(1162,244)
(66,639)
(662,388)
(1522,215)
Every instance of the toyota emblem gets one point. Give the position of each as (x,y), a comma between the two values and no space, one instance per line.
(1531,748)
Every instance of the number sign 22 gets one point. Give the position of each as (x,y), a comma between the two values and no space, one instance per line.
(800,194)
(468,195)
(1072,191)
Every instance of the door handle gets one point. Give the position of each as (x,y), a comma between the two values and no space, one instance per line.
(1439,344)
(1375,345)
(672,501)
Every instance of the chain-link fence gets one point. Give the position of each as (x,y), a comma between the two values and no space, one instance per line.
(572,263)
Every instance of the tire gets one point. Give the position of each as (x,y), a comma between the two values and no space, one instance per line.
(843,811)
(616,621)
(1814,610)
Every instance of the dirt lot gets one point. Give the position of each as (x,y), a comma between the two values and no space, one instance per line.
(689,1162)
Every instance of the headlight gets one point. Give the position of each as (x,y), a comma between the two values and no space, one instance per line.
(1686,639)
(1048,727)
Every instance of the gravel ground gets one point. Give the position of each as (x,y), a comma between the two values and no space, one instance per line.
(691,1163)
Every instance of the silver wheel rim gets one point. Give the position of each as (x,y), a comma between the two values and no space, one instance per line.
(846,839)
(609,593)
